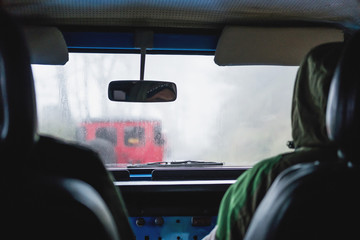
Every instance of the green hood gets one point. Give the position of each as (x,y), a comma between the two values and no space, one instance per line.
(310,95)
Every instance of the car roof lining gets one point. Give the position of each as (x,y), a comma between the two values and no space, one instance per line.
(168,17)
(183,13)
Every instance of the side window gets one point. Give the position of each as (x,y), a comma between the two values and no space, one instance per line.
(158,138)
(107,133)
(134,136)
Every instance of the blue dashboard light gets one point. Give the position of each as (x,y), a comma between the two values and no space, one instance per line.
(173,227)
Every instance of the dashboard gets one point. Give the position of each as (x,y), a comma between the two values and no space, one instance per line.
(176,203)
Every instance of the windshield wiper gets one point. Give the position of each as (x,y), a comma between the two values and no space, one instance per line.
(186,163)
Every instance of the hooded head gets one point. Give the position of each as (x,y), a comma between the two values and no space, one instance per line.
(310,95)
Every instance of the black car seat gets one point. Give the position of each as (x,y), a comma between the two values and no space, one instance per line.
(321,200)
(55,208)
(36,169)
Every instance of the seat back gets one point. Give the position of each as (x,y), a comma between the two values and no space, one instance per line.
(343,112)
(18,123)
(56,208)
(309,201)
(321,200)
(37,203)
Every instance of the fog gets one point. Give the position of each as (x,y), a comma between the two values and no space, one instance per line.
(237,115)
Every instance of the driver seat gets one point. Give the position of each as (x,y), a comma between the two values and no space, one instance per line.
(321,200)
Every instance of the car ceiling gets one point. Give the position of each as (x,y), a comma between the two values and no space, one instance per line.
(206,14)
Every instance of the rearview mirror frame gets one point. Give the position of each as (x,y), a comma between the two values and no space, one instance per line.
(142,91)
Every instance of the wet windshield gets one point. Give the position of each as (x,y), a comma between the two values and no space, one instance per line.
(234,115)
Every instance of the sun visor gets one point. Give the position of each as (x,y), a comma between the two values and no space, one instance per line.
(46,45)
(270,46)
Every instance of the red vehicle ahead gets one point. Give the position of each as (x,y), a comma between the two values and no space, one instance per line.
(134,142)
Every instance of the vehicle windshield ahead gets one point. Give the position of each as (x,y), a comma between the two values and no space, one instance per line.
(236,115)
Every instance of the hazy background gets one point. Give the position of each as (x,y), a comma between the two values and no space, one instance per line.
(237,115)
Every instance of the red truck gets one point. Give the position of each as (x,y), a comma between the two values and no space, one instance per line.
(136,141)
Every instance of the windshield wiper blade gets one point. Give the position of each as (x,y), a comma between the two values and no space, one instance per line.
(186,163)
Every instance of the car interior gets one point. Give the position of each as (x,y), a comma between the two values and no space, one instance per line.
(131,119)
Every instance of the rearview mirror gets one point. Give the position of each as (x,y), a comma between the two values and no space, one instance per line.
(142,91)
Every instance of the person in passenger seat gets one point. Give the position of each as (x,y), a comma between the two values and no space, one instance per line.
(309,137)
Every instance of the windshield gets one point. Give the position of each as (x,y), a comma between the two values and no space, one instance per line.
(236,115)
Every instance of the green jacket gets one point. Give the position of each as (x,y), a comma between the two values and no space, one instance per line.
(309,135)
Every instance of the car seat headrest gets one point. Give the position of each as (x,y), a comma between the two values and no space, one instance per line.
(343,110)
(17,96)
